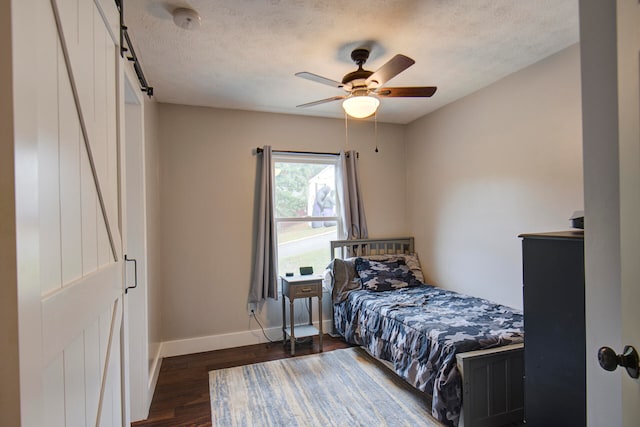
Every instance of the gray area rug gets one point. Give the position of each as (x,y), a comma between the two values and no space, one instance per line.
(339,388)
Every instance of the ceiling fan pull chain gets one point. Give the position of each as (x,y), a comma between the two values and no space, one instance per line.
(346,132)
(375,129)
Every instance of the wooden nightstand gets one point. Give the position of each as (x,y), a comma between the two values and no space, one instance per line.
(301,287)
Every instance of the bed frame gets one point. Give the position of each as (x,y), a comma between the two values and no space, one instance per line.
(492,380)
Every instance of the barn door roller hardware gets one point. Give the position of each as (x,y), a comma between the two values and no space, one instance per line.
(126,48)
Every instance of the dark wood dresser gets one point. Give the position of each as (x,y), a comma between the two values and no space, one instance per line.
(554,324)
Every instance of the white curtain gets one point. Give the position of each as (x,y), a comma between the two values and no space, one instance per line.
(354,222)
(264,281)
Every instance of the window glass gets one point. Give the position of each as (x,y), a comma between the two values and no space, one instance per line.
(304,189)
(300,245)
(306,210)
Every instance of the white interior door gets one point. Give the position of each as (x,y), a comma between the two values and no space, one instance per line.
(628,32)
(70,267)
(610,53)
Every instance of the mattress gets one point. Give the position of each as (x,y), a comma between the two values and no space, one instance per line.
(420,329)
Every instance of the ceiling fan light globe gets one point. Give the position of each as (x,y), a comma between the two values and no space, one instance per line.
(360,107)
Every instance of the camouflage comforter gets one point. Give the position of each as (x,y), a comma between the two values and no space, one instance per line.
(421,329)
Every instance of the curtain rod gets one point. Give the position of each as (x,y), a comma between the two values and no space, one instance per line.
(260,150)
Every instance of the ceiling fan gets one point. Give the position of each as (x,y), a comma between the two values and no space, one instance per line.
(364,87)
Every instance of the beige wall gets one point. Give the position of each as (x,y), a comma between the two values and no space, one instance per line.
(472,176)
(500,162)
(208,181)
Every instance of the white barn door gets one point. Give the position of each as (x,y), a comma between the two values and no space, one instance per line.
(70,264)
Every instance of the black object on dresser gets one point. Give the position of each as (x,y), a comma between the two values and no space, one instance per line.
(554,325)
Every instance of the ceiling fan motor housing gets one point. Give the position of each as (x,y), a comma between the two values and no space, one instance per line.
(355,75)
(360,91)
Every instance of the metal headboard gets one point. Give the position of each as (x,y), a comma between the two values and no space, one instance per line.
(362,247)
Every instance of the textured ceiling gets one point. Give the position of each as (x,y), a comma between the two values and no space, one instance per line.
(246,52)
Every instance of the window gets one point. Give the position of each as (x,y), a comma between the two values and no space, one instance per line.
(307,214)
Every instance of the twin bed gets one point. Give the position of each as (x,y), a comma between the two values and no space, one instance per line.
(465,353)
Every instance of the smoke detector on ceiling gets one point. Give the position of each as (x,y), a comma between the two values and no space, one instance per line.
(186,18)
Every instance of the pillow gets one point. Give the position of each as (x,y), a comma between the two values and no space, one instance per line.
(385,276)
(344,278)
(411,261)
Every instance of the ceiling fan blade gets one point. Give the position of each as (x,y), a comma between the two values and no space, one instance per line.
(322,101)
(392,68)
(319,79)
(407,92)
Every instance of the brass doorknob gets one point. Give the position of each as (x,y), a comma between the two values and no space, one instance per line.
(609,360)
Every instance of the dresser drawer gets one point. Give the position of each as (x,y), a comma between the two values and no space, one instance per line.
(304,290)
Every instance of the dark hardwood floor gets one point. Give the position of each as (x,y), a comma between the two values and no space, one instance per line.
(182,394)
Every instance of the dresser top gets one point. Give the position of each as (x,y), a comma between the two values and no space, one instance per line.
(569,234)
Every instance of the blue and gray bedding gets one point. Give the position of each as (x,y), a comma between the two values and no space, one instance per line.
(418,328)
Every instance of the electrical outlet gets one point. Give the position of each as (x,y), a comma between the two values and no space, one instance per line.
(251,308)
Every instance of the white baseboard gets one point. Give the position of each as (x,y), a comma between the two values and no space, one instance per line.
(219,342)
